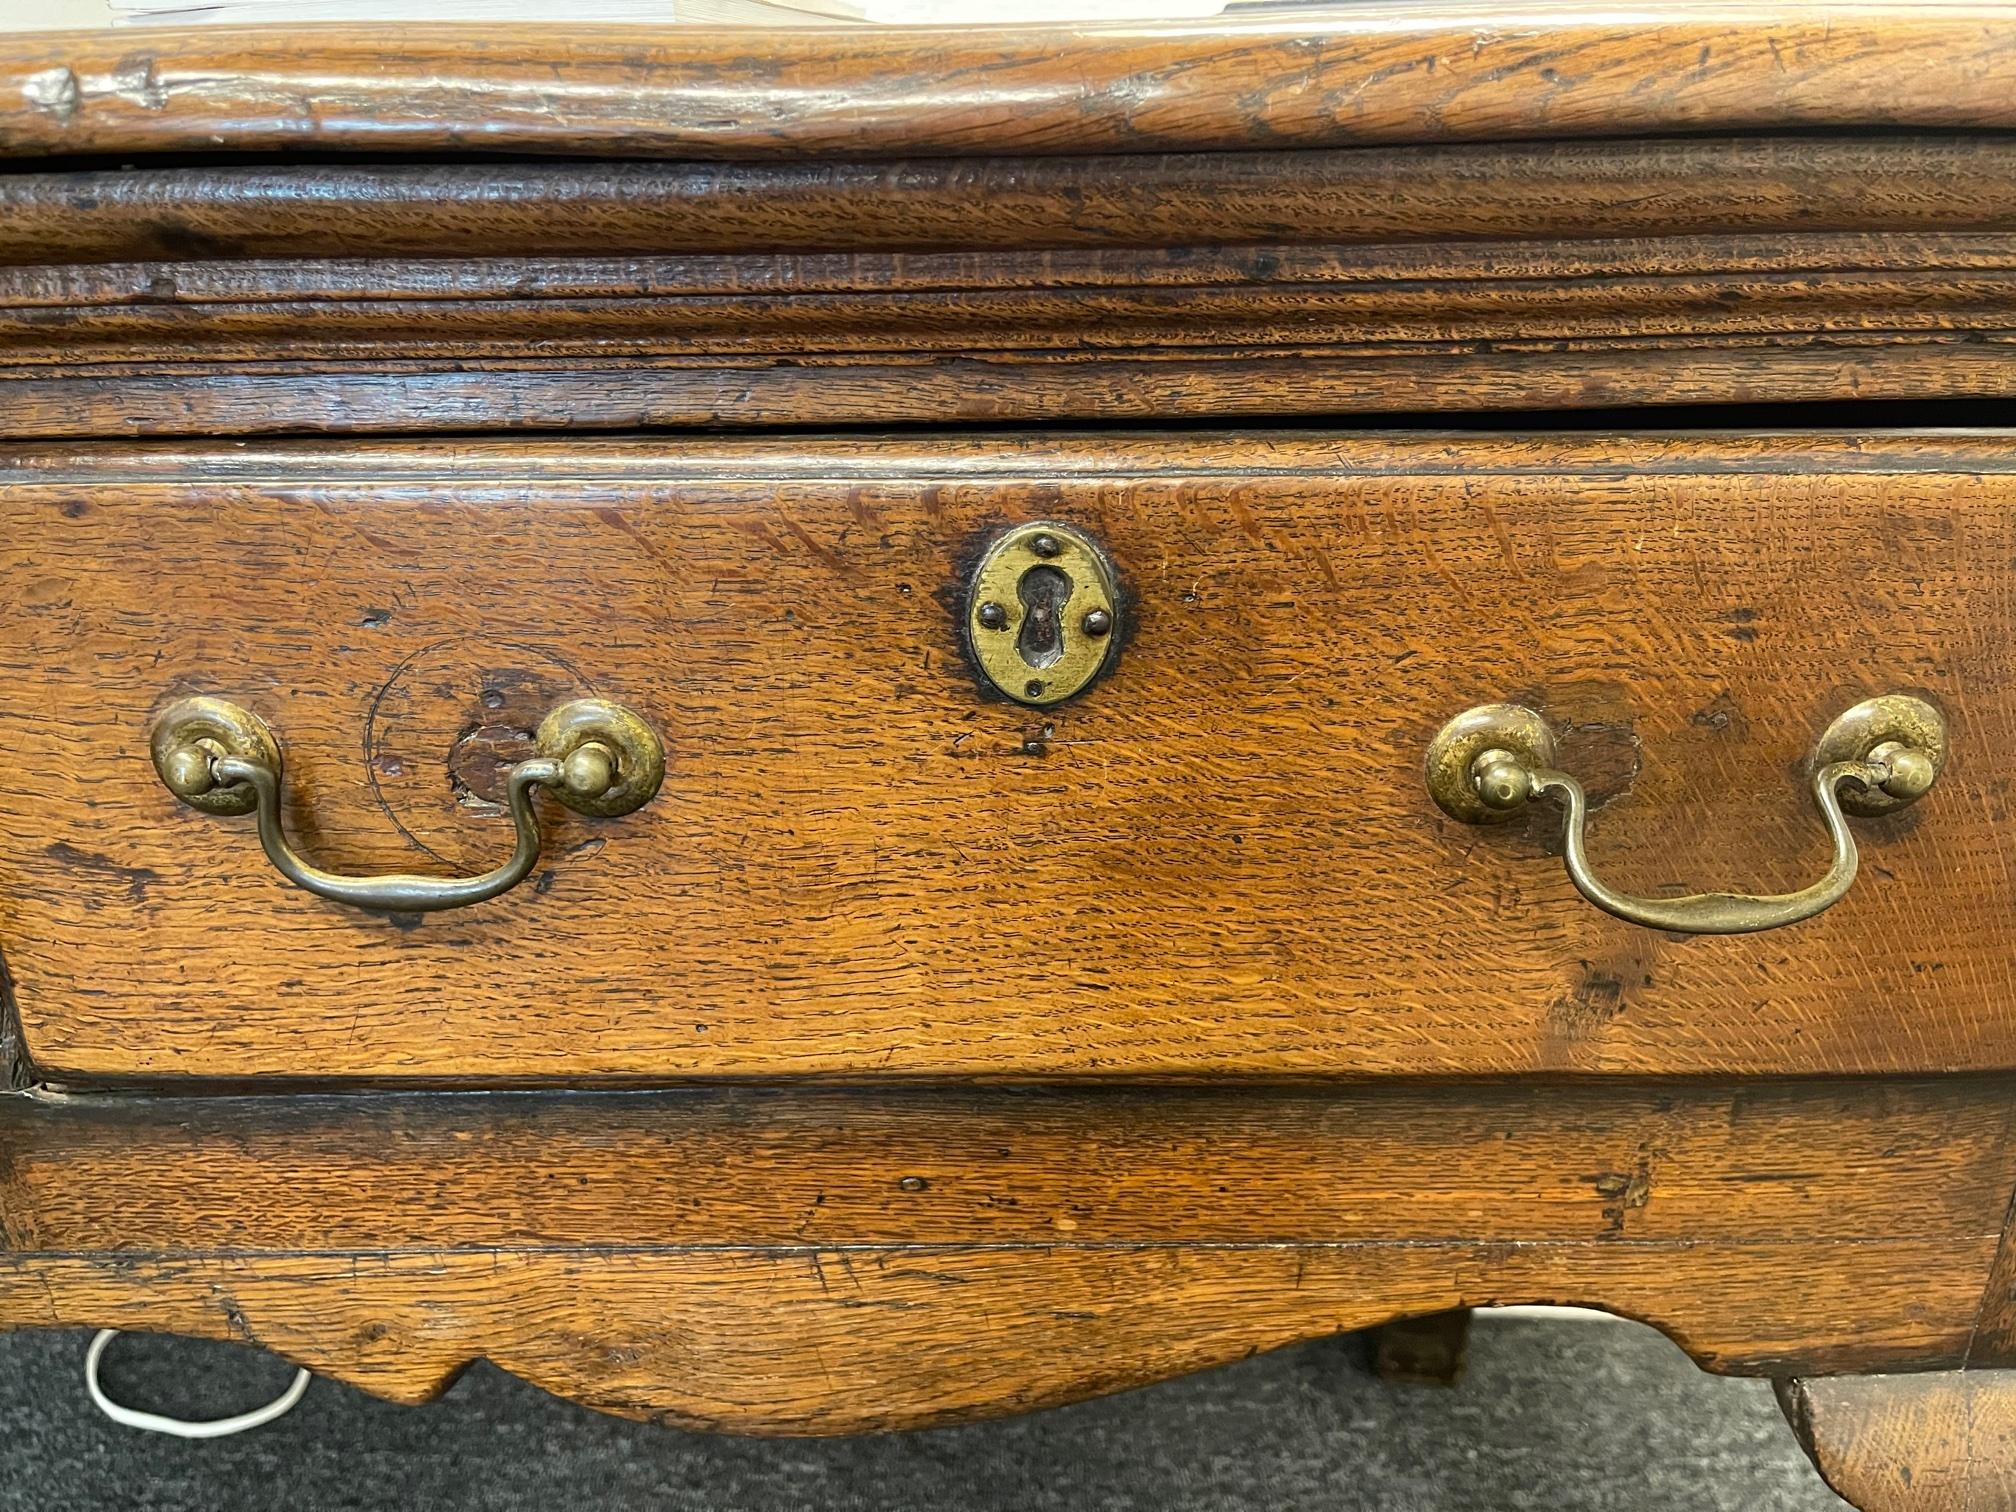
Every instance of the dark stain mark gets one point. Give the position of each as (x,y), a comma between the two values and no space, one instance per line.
(1606,755)
(234,1318)
(405,923)
(175,241)
(1624,1192)
(1595,1001)
(1720,713)
(17,1073)
(1768,1178)
(499,736)
(137,878)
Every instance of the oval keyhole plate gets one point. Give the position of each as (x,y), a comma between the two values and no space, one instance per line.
(1043,613)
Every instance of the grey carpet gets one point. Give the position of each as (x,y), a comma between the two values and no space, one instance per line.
(1557,1415)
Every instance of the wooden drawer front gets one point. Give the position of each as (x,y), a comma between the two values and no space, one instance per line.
(1220,859)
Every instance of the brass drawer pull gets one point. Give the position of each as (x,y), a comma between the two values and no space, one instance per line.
(1488,762)
(597,758)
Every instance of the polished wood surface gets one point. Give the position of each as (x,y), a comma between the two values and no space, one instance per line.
(1323,283)
(1220,860)
(916,1056)
(1914,1443)
(776,1261)
(396,398)
(1576,1161)
(1512,191)
(1307,78)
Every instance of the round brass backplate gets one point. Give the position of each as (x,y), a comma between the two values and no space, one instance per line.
(640,756)
(209,728)
(1894,718)
(1453,753)
(1043,613)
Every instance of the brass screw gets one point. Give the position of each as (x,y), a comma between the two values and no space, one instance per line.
(1045,545)
(1098,622)
(992,616)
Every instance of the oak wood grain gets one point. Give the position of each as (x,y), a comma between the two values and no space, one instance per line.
(1457,1084)
(268,345)
(381,398)
(1678,293)
(861,866)
(775,1260)
(1993,1343)
(1391,195)
(1315,79)
(1514,1162)
(818,1341)
(1943,1442)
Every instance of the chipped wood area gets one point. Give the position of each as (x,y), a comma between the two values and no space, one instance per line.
(1942,1442)
(838,878)
(830,1261)
(1317,80)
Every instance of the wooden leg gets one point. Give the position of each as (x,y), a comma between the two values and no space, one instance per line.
(1423,1351)
(1941,1442)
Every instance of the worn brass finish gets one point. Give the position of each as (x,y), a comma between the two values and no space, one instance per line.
(584,727)
(190,736)
(1043,613)
(596,757)
(1455,751)
(1898,720)
(1488,763)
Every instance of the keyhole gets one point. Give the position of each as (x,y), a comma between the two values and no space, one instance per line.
(1044,592)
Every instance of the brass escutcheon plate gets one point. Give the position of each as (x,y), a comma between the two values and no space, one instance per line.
(1043,613)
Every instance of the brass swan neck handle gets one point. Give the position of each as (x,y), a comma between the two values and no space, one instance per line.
(596,757)
(1489,762)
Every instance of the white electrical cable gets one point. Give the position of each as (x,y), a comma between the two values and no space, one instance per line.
(130,1417)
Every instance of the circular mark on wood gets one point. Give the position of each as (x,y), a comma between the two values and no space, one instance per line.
(445,728)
